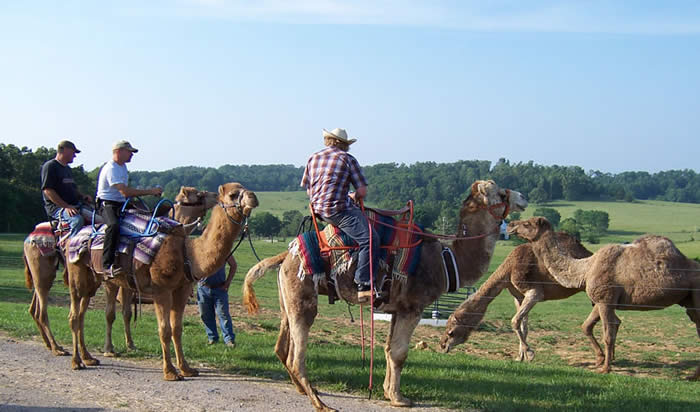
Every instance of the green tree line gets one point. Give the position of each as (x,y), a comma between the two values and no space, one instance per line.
(436,188)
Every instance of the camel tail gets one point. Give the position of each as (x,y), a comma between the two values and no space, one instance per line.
(256,272)
(65,275)
(27,274)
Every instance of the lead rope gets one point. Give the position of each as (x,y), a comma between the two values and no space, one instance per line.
(371,306)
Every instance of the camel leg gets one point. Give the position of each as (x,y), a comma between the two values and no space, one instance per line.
(396,352)
(587,326)
(283,347)
(177,312)
(43,272)
(611,323)
(162,303)
(74,322)
(127,298)
(111,290)
(519,322)
(300,303)
(694,315)
(84,353)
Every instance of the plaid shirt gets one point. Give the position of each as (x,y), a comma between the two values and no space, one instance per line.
(327,177)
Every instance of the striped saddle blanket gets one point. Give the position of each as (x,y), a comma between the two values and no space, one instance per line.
(132,225)
(44,238)
(405,260)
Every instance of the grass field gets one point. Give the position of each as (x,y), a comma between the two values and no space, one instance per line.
(655,350)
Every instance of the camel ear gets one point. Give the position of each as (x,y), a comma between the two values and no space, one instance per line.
(221,191)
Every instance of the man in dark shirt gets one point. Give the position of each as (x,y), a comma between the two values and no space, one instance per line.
(62,199)
(327,179)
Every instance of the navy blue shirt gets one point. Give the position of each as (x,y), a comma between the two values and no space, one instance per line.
(59,178)
(215,280)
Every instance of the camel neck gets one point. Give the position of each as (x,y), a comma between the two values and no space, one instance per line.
(569,272)
(208,252)
(482,298)
(474,255)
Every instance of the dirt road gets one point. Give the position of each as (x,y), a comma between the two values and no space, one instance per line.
(32,379)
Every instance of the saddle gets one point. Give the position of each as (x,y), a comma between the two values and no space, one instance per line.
(331,252)
(141,236)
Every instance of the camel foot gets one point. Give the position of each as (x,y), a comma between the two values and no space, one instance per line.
(530,355)
(110,354)
(91,361)
(399,401)
(190,372)
(692,378)
(130,346)
(77,365)
(59,351)
(172,376)
(603,369)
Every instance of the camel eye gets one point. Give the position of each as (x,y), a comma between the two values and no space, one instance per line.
(450,333)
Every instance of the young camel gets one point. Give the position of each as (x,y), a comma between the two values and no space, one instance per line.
(190,207)
(166,279)
(527,279)
(480,217)
(648,274)
(40,272)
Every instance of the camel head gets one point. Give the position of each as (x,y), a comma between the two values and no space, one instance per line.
(530,229)
(190,196)
(457,331)
(486,194)
(234,195)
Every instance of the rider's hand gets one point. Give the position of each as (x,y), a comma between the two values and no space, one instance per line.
(87,199)
(71,211)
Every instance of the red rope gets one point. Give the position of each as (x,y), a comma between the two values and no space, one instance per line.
(371,303)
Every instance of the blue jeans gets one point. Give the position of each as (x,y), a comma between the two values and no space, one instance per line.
(211,302)
(355,224)
(76,222)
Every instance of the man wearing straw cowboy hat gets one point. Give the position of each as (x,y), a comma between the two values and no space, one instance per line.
(327,179)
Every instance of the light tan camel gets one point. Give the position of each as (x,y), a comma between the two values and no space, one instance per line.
(648,274)
(40,271)
(527,279)
(480,217)
(166,279)
(191,205)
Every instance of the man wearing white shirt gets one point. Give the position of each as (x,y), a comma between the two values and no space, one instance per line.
(112,191)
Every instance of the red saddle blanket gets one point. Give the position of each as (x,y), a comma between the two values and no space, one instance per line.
(43,238)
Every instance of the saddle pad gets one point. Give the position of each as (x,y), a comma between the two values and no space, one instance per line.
(43,238)
(405,259)
(131,224)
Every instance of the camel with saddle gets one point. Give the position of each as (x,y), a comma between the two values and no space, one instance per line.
(190,207)
(168,277)
(41,259)
(480,216)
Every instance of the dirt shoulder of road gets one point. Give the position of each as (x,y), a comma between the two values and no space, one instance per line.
(32,379)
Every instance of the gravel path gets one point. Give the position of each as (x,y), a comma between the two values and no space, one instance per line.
(32,379)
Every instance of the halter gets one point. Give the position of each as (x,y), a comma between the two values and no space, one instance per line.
(505,203)
(490,208)
(237,206)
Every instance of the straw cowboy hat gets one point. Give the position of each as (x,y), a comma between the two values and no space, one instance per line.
(339,134)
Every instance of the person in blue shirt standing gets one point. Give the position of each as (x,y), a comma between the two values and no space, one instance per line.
(212,297)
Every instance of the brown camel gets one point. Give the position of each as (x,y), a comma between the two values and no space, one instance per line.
(648,274)
(166,278)
(40,271)
(191,205)
(480,216)
(527,279)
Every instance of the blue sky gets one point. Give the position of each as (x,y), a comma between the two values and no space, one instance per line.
(606,85)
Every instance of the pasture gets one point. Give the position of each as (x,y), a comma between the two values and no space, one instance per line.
(655,350)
